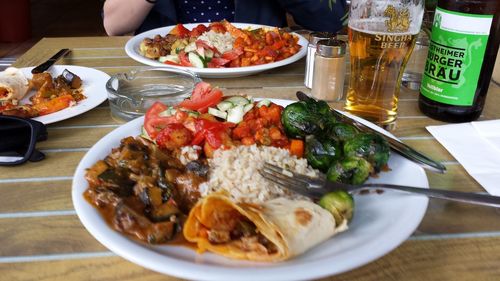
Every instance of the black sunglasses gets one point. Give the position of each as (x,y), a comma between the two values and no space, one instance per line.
(18,137)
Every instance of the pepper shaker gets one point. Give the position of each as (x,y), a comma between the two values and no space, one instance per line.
(329,70)
(311,51)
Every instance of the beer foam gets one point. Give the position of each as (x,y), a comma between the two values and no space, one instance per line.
(377,26)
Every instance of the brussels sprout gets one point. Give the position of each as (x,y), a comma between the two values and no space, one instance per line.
(372,147)
(320,154)
(342,131)
(299,121)
(351,170)
(340,204)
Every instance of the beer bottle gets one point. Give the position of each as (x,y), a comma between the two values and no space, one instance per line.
(462,52)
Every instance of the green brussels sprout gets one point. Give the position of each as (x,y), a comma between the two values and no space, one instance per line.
(372,147)
(342,131)
(340,204)
(298,120)
(320,154)
(350,170)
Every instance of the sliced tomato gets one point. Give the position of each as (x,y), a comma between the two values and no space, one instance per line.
(217,62)
(154,123)
(232,54)
(204,45)
(202,98)
(183,58)
(180,31)
(198,30)
(172,63)
(213,132)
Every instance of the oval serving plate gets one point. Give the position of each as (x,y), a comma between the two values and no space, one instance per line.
(132,50)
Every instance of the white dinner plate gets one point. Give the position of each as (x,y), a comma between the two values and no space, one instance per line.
(132,50)
(93,85)
(381,222)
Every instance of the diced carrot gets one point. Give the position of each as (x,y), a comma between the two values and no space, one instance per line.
(297,147)
(247,140)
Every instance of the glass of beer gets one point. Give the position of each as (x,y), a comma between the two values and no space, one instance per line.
(382,34)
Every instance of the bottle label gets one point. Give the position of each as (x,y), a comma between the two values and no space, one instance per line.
(455,57)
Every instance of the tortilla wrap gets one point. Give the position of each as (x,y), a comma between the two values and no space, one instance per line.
(292,226)
(13,84)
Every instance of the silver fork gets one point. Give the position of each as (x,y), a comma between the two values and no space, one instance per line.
(315,188)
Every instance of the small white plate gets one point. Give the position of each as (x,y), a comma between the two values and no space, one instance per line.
(381,222)
(132,50)
(94,88)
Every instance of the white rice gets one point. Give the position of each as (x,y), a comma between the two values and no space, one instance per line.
(223,42)
(236,172)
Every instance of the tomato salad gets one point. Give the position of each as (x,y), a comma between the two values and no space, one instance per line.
(220,44)
(212,121)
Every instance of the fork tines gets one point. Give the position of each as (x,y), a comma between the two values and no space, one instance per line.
(299,183)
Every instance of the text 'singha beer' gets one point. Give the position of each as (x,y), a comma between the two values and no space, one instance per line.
(377,60)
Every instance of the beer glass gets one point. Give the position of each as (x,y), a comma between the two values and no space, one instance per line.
(382,34)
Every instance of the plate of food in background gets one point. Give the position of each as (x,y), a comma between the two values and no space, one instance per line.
(61,92)
(178,191)
(218,49)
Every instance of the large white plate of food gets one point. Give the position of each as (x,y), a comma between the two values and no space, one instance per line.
(218,49)
(61,92)
(179,190)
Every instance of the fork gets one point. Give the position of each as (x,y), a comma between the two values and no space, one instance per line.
(315,188)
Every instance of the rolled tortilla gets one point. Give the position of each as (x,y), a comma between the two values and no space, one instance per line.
(291,226)
(13,84)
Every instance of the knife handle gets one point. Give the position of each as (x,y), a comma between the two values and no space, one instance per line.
(47,64)
(413,155)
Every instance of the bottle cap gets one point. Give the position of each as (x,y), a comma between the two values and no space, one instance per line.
(331,48)
(316,36)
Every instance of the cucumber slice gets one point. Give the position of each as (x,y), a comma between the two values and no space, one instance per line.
(162,59)
(168,112)
(225,105)
(193,113)
(144,134)
(191,47)
(238,100)
(195,60)
(263,102)
(247,107)
(209,54)
(217,113)
(235,114)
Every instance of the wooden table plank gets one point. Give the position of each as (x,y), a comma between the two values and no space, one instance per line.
(39,196)
(413,260)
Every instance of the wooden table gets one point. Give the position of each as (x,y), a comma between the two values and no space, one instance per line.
(41,237)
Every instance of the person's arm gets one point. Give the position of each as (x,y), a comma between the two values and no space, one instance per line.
(316,15)
(124,16)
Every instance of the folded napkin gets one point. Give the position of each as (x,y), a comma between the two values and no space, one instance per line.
(476,146)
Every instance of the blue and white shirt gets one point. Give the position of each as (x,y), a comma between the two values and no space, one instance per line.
(193,11)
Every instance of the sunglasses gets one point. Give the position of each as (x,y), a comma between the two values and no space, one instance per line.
(18,138)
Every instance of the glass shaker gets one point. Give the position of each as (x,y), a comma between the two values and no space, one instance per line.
(329,70)
(311,51)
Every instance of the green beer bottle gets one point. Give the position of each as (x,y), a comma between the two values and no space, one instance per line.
(462,52)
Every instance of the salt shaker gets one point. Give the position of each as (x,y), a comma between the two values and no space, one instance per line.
(311,51)
(329,70)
